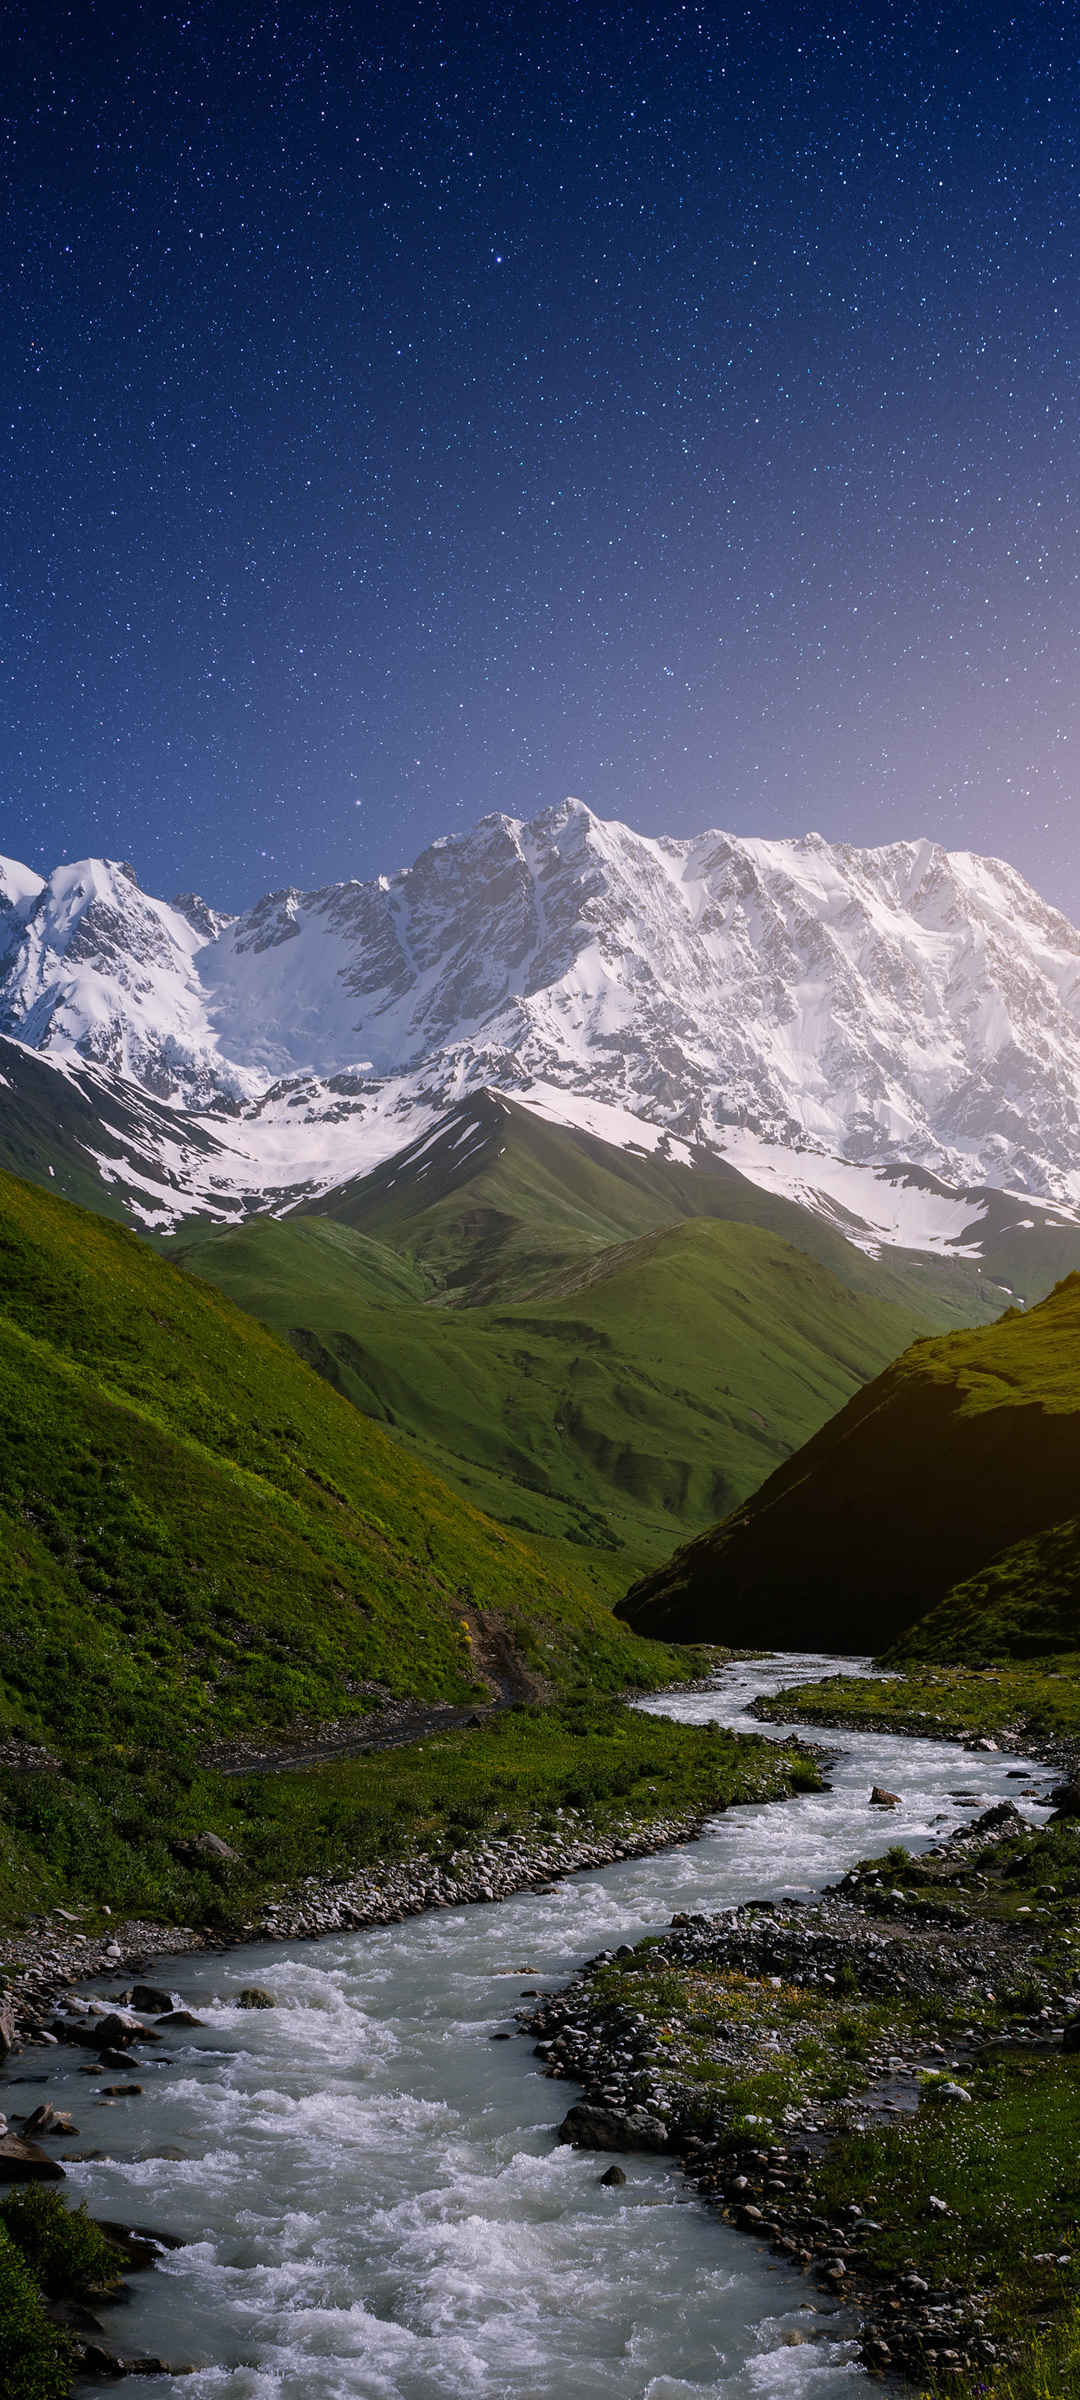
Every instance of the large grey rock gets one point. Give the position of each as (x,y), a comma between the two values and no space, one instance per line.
(588,2128)
(149,1996)
(26,2162)
(211,1847)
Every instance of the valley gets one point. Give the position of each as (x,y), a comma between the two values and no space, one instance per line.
(433,1313)
(599,1349)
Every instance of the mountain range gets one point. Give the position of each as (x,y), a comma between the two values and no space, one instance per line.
(889,1036)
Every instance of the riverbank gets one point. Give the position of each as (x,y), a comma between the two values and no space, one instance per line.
(881,2085)
(1031,1706)
(617,1801)
(521,1799)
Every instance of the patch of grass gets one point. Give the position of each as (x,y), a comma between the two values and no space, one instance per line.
(1049,2369)
(1005,2167)
(35,2358)
(751,2048)
(1040,1699)
(47,2252)
(115,1833)
(67,2254)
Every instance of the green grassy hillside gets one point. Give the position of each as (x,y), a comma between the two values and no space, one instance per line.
(199,1535)
(496,1203)
(648,1391)
(603,1350)
(964,1449)
(1024,1605)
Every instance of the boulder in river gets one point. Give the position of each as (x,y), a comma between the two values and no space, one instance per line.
(614,2177)
(48,2120)
(110,2033)
(880,1798)
(253,1996)
(589,2128)
(148,1997)
(26,2162)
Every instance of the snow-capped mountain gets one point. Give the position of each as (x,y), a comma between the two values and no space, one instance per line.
(785,1000)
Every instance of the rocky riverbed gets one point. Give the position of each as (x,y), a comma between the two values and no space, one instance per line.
(288,2103)
(748,2044)
(49,1959)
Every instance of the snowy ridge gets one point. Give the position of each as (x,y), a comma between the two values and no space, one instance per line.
(811,1011)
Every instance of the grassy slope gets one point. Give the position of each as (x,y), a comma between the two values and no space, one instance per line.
(635,1403)
(967,1446)
(200,1538)
(499,1201)
(1024,1605)
(600,1349)
(200,1535)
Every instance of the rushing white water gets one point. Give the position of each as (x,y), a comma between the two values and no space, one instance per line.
(374,2206)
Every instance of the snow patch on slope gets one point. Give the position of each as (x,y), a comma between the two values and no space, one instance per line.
(874,1207)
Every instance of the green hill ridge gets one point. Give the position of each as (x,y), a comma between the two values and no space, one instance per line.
(199,1535)
(603,1350)
(941,1499)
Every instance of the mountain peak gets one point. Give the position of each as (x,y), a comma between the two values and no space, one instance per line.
(902,1003)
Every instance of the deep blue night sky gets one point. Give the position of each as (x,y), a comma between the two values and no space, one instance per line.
(409,414)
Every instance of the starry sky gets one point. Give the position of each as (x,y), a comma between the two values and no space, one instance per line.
(410,412)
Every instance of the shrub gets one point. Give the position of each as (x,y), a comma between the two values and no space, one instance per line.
(64,2250)
(35,2357)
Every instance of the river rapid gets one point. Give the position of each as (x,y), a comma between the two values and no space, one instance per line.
(372,2203)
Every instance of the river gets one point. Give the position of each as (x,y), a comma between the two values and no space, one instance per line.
(373,2205)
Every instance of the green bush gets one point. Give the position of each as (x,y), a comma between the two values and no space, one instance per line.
(65,2251)
(35,2358)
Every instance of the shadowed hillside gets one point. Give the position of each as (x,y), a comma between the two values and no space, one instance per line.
(967,1447)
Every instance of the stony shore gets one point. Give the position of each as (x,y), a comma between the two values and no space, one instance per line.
(1058,1750)
(44,1963)
(760,1987)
